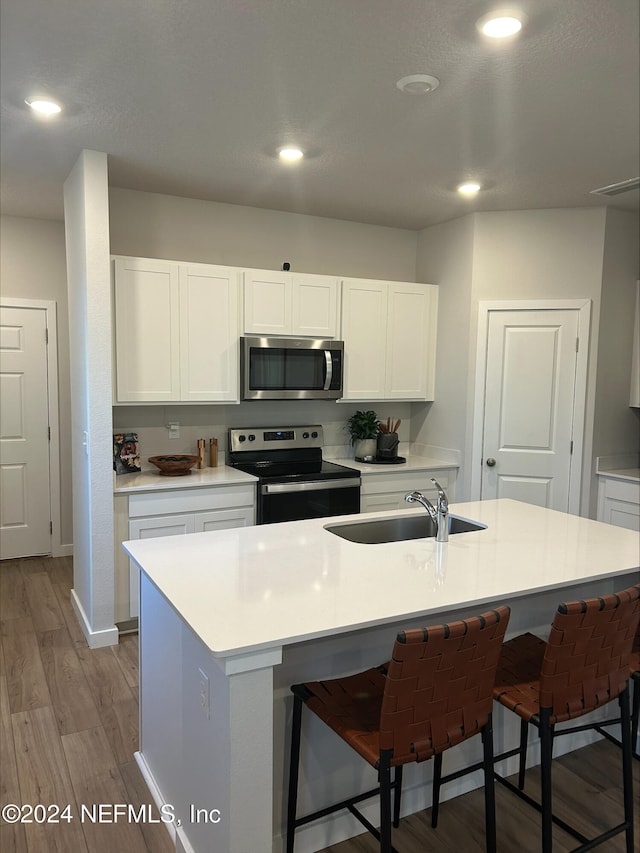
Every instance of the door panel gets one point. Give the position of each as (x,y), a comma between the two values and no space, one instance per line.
(25,510)
(529,400)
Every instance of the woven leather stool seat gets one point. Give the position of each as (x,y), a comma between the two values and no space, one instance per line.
(435,692)
(583,666)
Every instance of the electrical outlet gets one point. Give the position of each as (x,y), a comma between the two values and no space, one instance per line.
(174,429)
(203,693)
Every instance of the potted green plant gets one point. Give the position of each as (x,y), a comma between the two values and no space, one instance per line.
(363,430)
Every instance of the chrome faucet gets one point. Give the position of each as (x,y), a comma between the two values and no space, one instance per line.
(442,511)
(438,514)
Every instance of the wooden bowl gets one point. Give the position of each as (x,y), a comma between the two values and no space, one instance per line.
(174,466)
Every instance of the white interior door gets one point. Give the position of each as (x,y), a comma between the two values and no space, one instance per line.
(25,502)
(530,388)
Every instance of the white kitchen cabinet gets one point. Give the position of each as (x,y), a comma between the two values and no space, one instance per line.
(176,331)
(386,491)
(149,514)
(634,397)
(619,502)
(285,303)
(389,332)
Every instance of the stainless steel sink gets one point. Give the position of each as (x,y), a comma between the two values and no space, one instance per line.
(412,526)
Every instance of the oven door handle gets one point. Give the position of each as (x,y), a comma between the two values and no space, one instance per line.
(329,370)
(312,486)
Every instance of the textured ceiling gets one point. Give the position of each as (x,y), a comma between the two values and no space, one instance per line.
(194,97)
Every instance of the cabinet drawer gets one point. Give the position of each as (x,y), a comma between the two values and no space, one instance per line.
(191,500)
(621,490)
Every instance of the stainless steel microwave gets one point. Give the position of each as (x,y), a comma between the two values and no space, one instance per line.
(291,369)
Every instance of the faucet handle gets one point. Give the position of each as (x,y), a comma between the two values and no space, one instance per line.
(443,501)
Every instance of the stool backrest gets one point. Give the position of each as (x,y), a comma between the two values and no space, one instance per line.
(586,660)
(439,686)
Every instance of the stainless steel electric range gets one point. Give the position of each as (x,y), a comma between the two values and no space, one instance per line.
(294,480)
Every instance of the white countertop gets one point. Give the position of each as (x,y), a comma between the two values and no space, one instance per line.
(263,587)
(153,481)
(413,463)
(623,466)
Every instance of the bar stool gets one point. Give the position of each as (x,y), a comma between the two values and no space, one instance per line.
(434,693)
(583,666)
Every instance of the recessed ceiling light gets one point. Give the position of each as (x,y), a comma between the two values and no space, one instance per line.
(469,188)
(418,84)
(291,154)
(43,106)
(500,24)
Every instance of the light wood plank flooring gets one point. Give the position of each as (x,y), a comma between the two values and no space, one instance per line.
(69,728)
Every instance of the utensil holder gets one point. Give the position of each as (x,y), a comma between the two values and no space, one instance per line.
(388,445)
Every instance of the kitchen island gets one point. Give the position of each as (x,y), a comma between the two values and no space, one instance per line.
(230,619)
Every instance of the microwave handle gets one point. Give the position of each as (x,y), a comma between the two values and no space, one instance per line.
(329,373)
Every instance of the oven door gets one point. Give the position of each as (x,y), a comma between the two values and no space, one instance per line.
(314,499)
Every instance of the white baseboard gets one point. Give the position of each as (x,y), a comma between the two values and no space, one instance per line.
(177,834)
(61,550)
(95,639)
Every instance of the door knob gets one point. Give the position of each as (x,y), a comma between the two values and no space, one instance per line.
(491,462)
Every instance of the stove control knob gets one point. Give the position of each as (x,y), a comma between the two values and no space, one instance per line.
(242,438)
(252,437)
(305,435)
(314,435)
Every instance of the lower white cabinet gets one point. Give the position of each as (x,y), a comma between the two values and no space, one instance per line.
(383,492)
(147,515)
(619,502)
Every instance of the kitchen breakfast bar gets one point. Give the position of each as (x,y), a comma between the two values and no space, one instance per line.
(230,619)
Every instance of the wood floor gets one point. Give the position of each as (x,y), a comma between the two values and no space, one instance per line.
(69,728)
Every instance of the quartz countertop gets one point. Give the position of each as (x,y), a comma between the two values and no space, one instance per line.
(257,588)
(153,481)
(413,463)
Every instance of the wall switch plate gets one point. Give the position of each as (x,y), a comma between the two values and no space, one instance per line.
(174,429)
(204,696)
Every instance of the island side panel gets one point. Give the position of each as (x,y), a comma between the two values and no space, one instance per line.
(206,738)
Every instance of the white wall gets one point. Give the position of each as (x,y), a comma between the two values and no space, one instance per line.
(616,426)
(33,266)
(535,254)
(151,225)
(89,289)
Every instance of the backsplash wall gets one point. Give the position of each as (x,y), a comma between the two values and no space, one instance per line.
(150,423)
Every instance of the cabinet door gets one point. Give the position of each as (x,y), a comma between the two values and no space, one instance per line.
(224,519)
(411,341)
(151,528)
(364,331)
(146,330)
(314,306)
(267,302)
(208,333)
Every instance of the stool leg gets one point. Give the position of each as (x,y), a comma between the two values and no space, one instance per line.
(435,799)
(524,733)
(625,724)
(489,787)
(293,771)
(397,793)
(546,755)
(385,807)
(635,713)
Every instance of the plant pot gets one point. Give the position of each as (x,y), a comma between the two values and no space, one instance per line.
(388,445)
(365,447)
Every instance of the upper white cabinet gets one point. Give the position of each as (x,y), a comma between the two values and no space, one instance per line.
(285,303)
(176,331)
(634,398)
(389,331)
